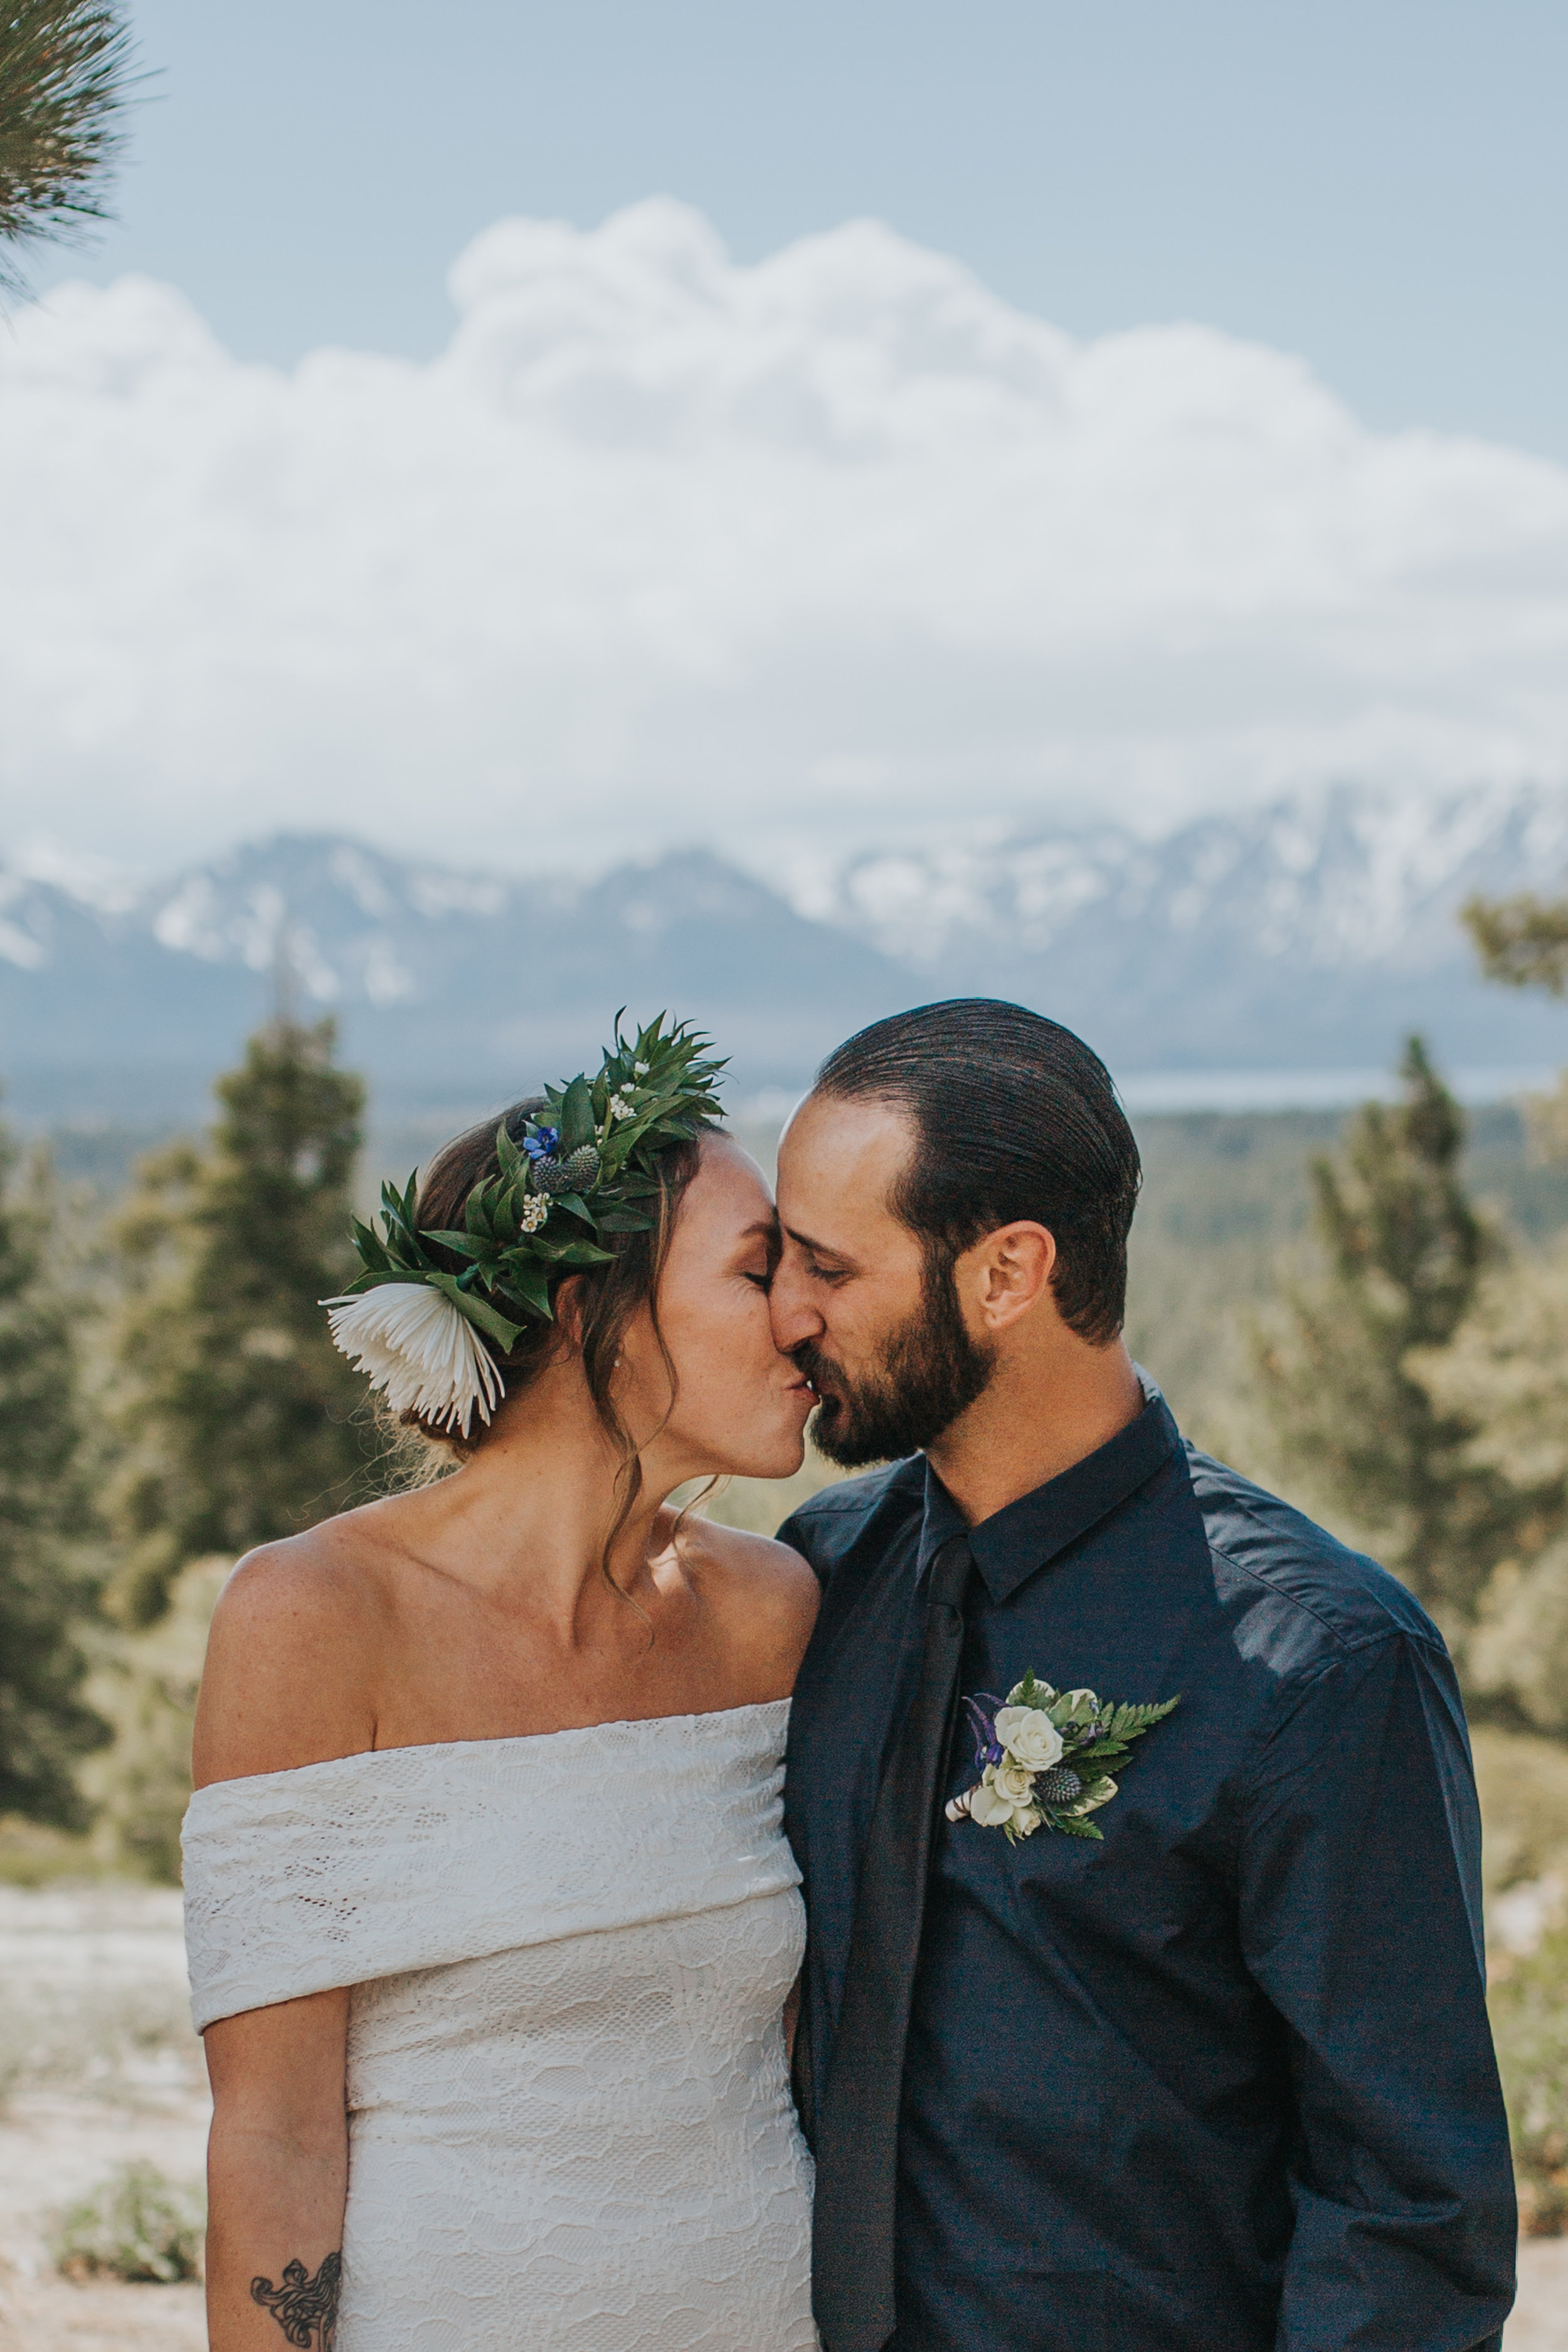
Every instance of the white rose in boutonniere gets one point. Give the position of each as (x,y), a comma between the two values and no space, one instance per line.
(1004,1799)
(1029,1736)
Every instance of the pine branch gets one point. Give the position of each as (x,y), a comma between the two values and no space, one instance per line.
(1522,941)
(63,77)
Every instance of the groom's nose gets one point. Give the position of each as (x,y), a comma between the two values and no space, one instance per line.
(795,1318)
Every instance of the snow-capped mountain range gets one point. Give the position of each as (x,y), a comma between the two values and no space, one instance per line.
(1311,934)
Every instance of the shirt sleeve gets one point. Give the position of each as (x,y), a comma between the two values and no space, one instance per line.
(796,1532)
(1359,1903)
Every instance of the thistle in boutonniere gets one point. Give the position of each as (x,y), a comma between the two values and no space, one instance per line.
(1043,1756)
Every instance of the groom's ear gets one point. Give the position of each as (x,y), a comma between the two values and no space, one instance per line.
(1008,1274)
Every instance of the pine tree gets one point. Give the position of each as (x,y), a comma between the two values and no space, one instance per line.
(1522,941)
(43,1724)
(1406,1252)
(240,1422)
(1507,1372)
(63,75)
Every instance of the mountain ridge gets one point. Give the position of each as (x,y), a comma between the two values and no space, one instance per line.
(1310,933)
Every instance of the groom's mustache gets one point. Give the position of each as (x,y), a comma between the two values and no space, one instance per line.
(824,1375)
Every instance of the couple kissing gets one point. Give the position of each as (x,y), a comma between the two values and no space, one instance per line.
(1031,1906)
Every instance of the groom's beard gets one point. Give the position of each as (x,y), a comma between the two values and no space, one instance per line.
(928,1370)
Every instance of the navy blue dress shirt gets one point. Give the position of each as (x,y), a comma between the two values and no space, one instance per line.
(1224,2081)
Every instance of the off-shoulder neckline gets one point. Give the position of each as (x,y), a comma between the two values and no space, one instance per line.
(508,1739)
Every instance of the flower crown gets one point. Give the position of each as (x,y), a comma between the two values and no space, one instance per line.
(581,1169)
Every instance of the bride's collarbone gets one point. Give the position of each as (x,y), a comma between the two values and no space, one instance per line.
(328,1645)
(525,1679)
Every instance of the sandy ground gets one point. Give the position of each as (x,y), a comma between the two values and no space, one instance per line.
(101,2067)
(51,2150)
(104,2069)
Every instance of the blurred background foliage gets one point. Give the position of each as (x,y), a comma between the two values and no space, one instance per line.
(1367,1313)
(236,1419)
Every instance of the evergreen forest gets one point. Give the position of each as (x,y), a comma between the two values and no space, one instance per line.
(1367,1313)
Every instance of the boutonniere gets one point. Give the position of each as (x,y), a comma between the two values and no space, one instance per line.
(1044,1755)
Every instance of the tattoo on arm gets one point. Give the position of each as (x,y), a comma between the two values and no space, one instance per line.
(305,2308)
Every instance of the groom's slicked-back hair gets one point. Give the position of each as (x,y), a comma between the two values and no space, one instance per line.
(1015,1120)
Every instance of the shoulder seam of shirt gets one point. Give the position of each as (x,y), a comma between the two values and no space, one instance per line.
(835,1498)
(1276,1717)
(821,1501)
(1391,1630)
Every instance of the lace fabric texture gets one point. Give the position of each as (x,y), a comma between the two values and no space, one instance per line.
(570,2123)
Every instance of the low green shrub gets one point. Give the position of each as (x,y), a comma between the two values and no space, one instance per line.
(137,2225)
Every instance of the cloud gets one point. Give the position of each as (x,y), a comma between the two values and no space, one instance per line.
(790,557)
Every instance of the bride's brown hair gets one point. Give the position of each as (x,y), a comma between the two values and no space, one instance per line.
(605,1300)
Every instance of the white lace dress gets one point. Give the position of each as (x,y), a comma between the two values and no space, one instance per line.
(570,2121)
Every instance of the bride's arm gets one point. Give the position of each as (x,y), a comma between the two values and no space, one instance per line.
(278,2167)
(284,1685)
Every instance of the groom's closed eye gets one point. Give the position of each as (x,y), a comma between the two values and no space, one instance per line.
(835,1271)
(829,1270)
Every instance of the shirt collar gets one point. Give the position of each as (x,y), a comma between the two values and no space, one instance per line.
(1013,1542)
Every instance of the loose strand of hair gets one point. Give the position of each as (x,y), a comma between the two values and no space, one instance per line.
(600,1381)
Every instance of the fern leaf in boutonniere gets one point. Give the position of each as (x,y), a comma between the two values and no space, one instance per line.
(1043,1756)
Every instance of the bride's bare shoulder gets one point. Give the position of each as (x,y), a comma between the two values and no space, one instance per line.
(292,1653)
(764,1591)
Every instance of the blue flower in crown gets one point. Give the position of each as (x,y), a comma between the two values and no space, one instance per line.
(434,1335)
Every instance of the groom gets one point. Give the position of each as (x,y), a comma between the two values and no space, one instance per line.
(1217,2078)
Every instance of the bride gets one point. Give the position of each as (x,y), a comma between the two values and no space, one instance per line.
(491,1917)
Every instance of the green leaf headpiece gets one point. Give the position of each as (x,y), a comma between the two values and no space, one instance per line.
(585,1166)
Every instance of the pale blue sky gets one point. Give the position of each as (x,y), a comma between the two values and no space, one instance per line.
(1378,184)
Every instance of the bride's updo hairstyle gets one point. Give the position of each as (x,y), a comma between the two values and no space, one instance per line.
(604,1298)
(544,1231)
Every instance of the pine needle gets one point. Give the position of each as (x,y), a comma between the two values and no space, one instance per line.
(63,77)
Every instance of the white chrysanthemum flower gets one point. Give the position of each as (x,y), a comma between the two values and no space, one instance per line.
(408,1338)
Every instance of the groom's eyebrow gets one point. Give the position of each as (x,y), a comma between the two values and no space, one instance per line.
(817,1249)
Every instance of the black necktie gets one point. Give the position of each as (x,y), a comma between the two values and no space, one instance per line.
(857,2137)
